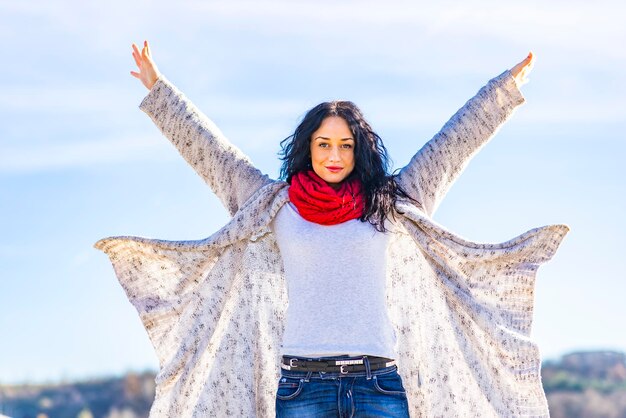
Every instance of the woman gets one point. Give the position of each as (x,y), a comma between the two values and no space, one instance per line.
(290,310)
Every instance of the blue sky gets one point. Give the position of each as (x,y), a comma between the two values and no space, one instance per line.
(79,161)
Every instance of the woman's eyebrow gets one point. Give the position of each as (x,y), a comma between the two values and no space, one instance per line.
(342,139)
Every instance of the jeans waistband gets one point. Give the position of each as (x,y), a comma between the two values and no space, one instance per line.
(334,375)
(370,366)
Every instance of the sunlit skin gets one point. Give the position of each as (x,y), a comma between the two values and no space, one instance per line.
(332,147)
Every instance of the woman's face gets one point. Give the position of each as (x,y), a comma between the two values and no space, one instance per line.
(332,150)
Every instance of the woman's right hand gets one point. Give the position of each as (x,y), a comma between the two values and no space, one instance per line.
(148,71)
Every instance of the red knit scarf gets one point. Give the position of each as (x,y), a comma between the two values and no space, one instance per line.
(318,202)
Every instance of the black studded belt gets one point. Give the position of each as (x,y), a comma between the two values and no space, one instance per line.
(343,366)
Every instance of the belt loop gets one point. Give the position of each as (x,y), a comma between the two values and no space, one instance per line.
(368,370)
(308,376)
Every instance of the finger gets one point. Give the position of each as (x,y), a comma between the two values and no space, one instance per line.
(137,59)
(529,65)
(530,59)
(134,74)
(137,54)
(135,49)
(523,76)
(522,63)
(148,48)
(147,58)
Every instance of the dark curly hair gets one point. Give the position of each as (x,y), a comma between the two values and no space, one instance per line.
(371,159)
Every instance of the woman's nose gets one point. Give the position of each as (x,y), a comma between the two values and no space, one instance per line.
(334,154)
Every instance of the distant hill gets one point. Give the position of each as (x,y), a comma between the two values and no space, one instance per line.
(586,384)
(578,385)
(126,397)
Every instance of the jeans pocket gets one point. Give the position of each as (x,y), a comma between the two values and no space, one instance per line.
(389,384)
(289,388)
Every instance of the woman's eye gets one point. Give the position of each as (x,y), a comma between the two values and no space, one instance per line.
(325,145)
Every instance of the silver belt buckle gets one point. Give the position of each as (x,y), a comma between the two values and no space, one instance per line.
(291,360)
(341,370)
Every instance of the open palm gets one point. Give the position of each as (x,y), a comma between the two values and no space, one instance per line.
(148,71)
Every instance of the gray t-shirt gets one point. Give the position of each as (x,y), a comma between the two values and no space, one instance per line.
(336,286)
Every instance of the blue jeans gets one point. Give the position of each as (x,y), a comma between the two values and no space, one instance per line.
(377,393)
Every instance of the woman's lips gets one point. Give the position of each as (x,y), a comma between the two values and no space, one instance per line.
(334,169)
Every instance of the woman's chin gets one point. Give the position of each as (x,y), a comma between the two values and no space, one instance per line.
(334,181)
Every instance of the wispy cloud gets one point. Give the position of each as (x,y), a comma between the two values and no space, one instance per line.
(249,123)
(83,154)
(78,97)
(565,25)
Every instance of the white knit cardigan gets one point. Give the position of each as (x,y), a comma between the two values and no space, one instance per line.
(214,309)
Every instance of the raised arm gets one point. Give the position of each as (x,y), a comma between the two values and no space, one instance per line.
(436,166)
(227,170)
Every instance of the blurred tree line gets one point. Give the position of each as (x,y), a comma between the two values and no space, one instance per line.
(586,384)
(129,396)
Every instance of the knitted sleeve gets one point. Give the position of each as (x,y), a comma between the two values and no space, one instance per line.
(436,166)
(227,170)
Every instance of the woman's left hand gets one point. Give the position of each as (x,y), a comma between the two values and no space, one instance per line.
(521,70)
